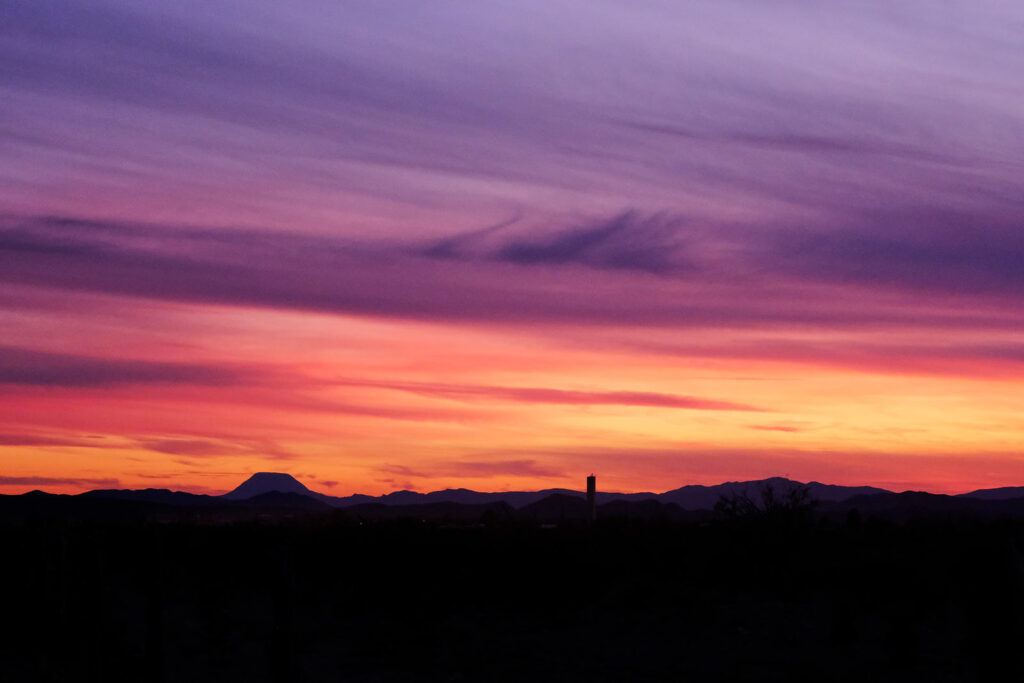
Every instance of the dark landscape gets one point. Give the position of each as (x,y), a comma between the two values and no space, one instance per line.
(768,583)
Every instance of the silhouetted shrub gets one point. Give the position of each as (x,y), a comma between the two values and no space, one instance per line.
(765,504)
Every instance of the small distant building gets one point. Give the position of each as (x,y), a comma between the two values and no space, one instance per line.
(592,497)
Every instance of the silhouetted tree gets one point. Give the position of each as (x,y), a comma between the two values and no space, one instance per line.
(795,504)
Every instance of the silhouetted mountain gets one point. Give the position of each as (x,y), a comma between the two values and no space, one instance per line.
(157,505)
(565,507)
(46,505)
(519,499)
(696,497)
(687,497)
(516,499)
(827,493)
(918,505)
(165,496)
(354,499)
(267,482)
(1004,493)
(464,496)
(558,507)
(403,498)
(611,496)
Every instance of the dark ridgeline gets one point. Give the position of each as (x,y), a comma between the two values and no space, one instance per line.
(692,497)
(270,495)
(774,585)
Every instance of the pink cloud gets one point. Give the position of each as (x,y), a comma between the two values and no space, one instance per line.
(80,482)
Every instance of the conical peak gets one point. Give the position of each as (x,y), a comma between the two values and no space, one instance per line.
(267,482)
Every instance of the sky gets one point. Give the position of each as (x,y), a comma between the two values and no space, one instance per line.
(406,245)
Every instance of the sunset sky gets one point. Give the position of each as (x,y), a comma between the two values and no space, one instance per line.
(501,245)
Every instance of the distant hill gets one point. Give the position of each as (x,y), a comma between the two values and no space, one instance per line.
(516,499)
(693,497)
(697,497)
(159,505)
(164,496)
(557,507)
(1005,493)
(46,505)
(919,505)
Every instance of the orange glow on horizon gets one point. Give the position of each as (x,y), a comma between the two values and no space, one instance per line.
(354,405)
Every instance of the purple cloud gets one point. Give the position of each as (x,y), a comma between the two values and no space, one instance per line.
(922,356)
(405,471)
(28,367)
(774,278)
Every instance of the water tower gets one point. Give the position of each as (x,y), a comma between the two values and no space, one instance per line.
(592,497)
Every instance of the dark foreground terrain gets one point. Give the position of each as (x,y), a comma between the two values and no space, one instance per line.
(328,598)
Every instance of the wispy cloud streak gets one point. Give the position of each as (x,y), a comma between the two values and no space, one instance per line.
(731,282)
(28,367)
(78,482)
(555,396)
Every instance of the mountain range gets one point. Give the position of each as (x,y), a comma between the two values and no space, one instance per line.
(691,497)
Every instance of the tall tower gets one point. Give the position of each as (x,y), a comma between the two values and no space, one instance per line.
(592,496)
